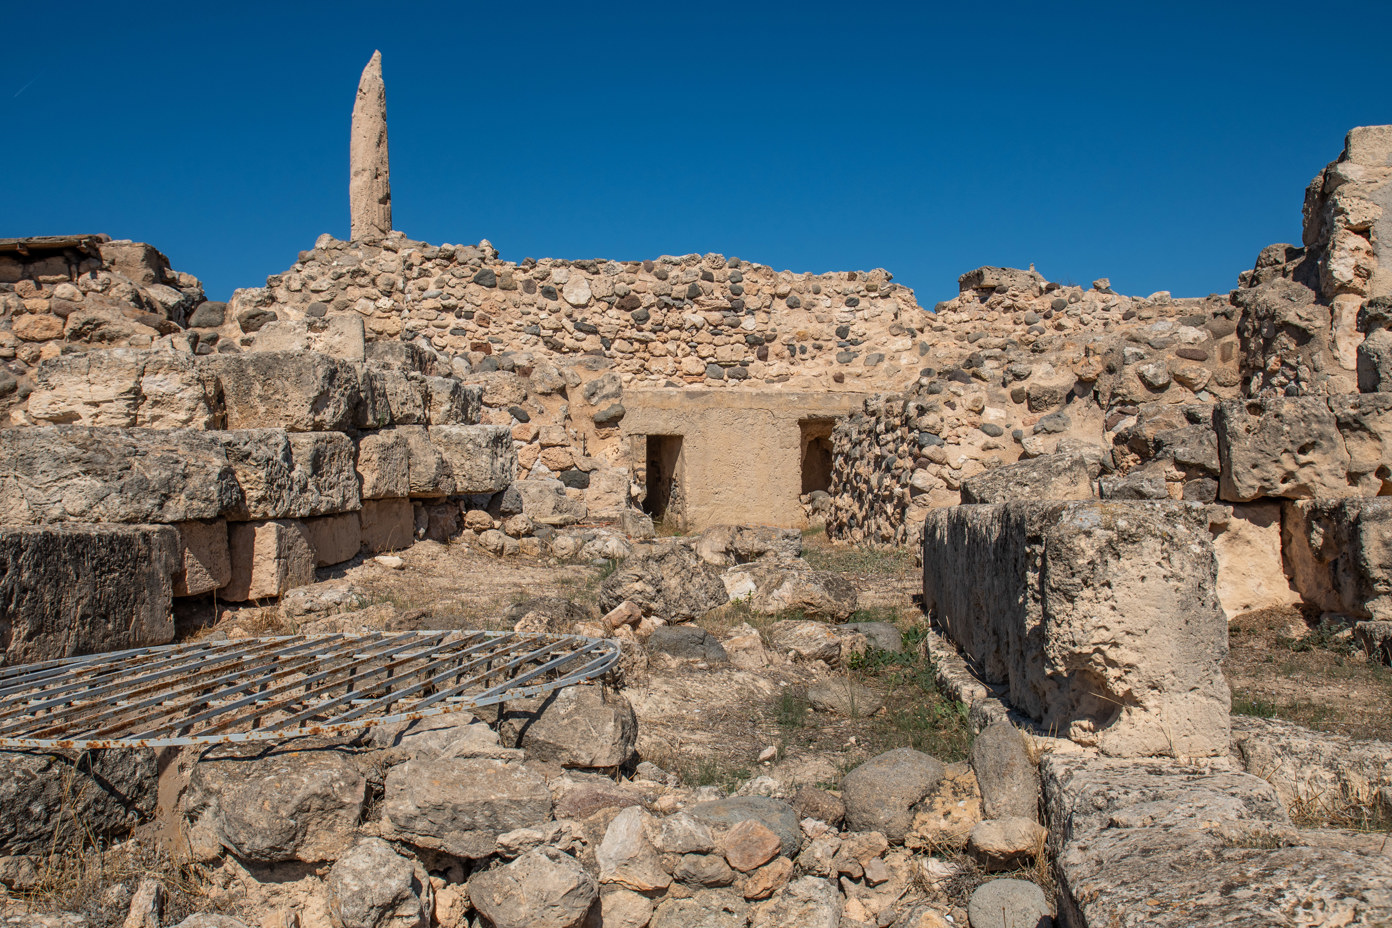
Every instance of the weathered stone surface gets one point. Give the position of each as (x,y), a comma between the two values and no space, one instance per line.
(724,545)
(1008,777)
(680,834)
(78,474)
(1005,843)
(626,857)
(545,502)
(369,182)
(545,888)
(1008,904)
(291,475)
(268,558)
(1340,554)
(672,584)
(480,458)
(1247,545)
(285,805)
(428,472)
(122,388)
(945,817)
(843,696)
(78,589)
(372,886)
(1163,844)
(1318,774)
(205,561)
(383,463)
(808,902)
(1304,447)
(807,640)
(687,642)
(881,793)
(1101,617)
(291,390)
(460,806)
(708,908)
(50,802)
(1051,476)
(749,845)
(579,726)
(774,814)
(334,539)
(775,585)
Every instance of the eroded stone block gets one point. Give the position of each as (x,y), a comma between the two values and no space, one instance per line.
(1340,554)
(1102,617)
(79,589)
(268,558)
(205,559)
(292,390)
(78,474)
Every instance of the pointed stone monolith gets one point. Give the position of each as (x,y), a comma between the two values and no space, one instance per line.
(369,183)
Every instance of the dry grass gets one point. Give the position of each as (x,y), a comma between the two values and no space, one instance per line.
(1316,680)
(98,884)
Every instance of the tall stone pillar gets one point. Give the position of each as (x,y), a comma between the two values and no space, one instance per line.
(369,183)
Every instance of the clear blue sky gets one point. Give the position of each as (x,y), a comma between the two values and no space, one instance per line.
(1161,145)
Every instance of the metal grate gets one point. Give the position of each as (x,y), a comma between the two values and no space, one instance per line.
(263,689)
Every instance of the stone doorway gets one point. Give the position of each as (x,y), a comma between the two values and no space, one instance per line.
(816,454)
(664,479)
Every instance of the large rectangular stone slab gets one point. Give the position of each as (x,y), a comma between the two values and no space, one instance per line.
(80,589)
(1340,554)
(1101,617)
(122,388)
(1162,844)
(293,390)
(480,458)
(292,474)
(1309,447)
(78,474)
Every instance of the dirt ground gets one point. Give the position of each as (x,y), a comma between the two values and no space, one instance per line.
(1282,664)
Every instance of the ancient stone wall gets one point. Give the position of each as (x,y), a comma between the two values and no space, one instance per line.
(1020,367)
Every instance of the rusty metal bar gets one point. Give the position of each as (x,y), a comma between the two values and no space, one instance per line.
(277,688)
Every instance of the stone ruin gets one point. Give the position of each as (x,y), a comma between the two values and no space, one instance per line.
(1096,482)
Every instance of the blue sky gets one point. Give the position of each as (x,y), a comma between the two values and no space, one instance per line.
(1160,145)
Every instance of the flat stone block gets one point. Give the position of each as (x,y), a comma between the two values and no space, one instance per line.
(205,559)
(79,589)
(334,539)
(1101,617)
(72,473)
(480,458)
(268,558)
(293,390)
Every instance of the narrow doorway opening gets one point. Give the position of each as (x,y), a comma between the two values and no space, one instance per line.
(816,454)
(663,479)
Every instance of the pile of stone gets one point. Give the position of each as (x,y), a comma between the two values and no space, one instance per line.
(78,293)
(447,820)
